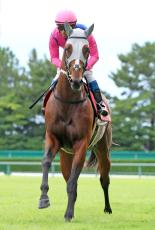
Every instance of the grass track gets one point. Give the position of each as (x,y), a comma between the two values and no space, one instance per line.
(132,201)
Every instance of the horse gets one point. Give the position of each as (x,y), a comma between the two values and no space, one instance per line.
(69,122)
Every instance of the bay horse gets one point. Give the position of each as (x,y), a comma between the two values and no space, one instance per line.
(69,121)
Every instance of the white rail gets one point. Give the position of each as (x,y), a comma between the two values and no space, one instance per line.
(138,165)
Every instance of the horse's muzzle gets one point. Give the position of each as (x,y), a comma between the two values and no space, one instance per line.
(76,84)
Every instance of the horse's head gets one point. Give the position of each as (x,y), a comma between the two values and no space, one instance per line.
(76,53)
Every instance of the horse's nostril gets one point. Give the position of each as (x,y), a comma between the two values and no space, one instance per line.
(76,84)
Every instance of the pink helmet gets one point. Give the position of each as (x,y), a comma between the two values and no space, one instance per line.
(65,16)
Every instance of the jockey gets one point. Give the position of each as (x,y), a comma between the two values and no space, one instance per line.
(58,39)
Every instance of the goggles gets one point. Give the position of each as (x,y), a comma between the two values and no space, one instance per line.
(61,27)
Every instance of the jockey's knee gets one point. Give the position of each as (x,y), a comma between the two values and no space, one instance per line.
(89,76)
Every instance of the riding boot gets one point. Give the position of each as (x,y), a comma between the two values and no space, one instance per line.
(93,85)
(99,102)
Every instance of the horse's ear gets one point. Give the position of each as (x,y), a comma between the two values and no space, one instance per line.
(68,29)
(89,30)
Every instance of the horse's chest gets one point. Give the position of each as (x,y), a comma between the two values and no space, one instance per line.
(68,130)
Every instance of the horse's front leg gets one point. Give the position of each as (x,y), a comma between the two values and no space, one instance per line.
(50,152)
(46,164)
(77,165)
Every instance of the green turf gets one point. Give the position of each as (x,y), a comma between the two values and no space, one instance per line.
(132,201)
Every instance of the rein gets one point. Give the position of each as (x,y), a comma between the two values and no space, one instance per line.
(69,101)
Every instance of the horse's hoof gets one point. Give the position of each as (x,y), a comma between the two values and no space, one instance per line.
(108,210)
(68,217)
(44,203)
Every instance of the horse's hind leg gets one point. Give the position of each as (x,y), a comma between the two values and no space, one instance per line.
(105,186)
(104,168)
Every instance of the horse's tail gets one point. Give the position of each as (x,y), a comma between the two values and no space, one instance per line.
(92,161)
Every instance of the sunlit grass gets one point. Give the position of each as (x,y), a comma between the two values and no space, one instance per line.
(132,201)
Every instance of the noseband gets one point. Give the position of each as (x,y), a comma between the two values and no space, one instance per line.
(76,67)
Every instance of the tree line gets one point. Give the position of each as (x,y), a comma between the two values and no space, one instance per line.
(133,112)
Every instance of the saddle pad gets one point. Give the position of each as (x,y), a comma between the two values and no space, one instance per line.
(98,132)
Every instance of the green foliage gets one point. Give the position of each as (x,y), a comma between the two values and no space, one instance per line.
(22,128)
(134,112)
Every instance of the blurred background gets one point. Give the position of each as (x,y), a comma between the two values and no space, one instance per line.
(124,31)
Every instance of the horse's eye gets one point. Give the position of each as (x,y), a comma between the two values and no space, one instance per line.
(68,51)
(86,52)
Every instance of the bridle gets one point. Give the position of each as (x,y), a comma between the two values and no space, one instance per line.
(76,66)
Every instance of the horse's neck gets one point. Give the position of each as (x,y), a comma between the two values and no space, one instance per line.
(63,89)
